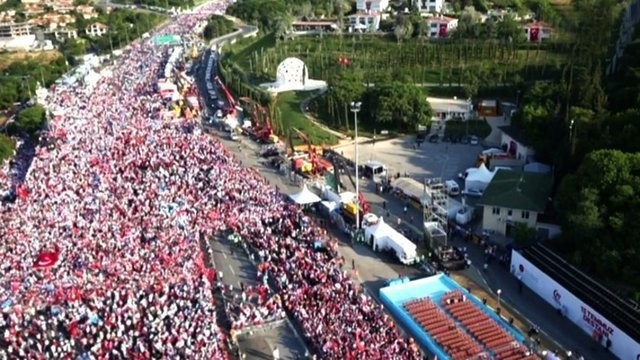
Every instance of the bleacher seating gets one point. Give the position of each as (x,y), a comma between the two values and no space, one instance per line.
(457,343)
(486,330)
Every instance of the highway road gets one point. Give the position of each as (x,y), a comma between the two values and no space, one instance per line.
(236,269)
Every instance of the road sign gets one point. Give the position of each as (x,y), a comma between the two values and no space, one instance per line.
(167,40)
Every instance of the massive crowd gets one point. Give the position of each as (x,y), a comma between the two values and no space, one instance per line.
(100,254)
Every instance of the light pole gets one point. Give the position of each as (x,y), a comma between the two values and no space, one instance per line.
(355,108)
(572,139)
(499,291)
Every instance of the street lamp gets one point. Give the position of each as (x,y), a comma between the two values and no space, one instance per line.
(355,108)
(572,140)
(499,291)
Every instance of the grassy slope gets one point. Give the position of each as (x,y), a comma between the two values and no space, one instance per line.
(291,117)
(290,114)
(46,57)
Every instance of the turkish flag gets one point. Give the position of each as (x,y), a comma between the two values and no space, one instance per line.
(47,259)
(442,30)
(534,34)
(22,192)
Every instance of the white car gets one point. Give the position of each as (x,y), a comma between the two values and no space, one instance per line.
(473,140)
(234,136)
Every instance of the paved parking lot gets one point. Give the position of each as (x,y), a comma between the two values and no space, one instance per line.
(443,160)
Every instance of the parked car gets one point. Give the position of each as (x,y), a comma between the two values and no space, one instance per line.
(473,140)
(434,138)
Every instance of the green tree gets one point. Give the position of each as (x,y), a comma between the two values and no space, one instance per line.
(346,86)
(509,30)
(217,26)
(600,203)
(29,120)
(7,146)
(399,103)
(403,29)
(523,234)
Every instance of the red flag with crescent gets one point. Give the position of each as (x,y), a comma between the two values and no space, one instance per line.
(47,259)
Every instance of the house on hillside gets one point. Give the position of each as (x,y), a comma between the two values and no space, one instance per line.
(368,15)
(441,26)
(537,31)
(429,6)
(16,36)
(514,142)
(87,12)
(96,29)
(514,197)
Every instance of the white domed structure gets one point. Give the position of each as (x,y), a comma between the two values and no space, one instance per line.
(292,74)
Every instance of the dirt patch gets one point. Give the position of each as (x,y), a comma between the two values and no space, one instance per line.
(45,57)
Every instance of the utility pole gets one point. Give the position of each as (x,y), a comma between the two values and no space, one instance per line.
(355,108)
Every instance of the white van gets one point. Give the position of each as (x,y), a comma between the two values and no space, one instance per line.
(453,189)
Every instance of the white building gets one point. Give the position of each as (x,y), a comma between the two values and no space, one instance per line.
(16,36)
(514,197)
(515,143)
(441,26)
(368,15)
(429,6)
(447,109)
(96,29)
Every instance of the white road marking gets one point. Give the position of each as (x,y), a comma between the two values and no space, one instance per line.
(232,271)
(224,255)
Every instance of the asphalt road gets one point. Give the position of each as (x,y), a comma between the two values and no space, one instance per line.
(237,269)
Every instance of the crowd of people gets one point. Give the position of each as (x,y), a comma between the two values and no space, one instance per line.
(249,306)
(100,253)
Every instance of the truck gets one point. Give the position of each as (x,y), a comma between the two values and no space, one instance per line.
(453,189)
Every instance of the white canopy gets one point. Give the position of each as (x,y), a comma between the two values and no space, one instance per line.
(386,237)
(478,179)
(305,196)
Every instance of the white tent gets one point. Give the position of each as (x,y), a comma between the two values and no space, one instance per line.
(478,179)
(305,196)
(386,237)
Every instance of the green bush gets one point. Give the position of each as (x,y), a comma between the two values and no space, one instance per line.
(7,146)
(217,26)
(29,120)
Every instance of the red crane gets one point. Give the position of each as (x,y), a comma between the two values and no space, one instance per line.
(262,129)
(232,102)
(319,165)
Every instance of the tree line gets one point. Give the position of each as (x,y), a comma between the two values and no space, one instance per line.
(124,26)
(586,125)
(394,104)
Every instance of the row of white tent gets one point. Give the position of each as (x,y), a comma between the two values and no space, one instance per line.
(382,235)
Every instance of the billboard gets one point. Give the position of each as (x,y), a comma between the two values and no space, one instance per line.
(167,40)
(581,314)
